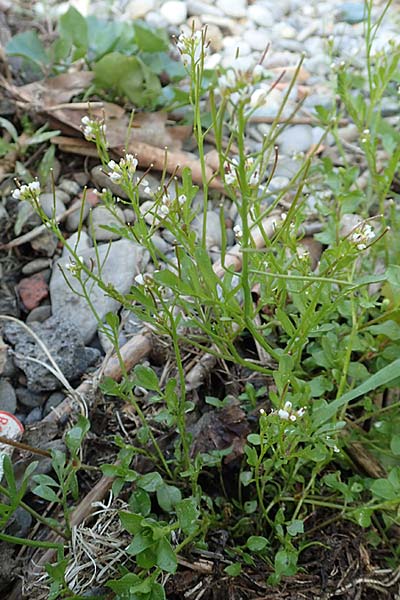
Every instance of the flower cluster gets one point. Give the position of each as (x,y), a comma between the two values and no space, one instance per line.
(74,267)
(230,169)
(27,192)
(362,236)
(126,166)
(167,202)
(92,127)
(287,413)
(191,47)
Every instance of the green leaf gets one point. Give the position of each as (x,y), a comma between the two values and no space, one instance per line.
(233,570)
(150,40)
(131,522)
(74,437)
(389,328)
(395,444)
(381,378)
(45,492)
(127,76)
(41,136)
(285,563)
(45,480)
(139,502)
(168,496)
(295,527)
(146,378)
(363,516)
(8,126)
(254,438)
(141,541)
(46,165)
(383,488)
(256,543)
(73,27)
(29,46)
(166,557)
(188,515)
(150,482)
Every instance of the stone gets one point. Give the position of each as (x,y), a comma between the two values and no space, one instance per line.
(33,290)
(213,234)
(294,139)
(81,178)
(52,402)
(260,15)
(8,398)
(139,8)
(36,265)
(256,38)
(29,398)
(199,8)
(174,12)
(40,314)
(102,216)
(27,218)
(46,243)
(74,219)
(34,416)
(19,524)
(63,339)
(70,187)
(120,262)
(233,8)
(78,242)
(53,204)
(234,46)
(352,12)
(161,245)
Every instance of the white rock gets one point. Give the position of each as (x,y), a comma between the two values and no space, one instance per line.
(174,12)
(256,38)
(155,19)
(242,63)
(213,234)
(53,204)
(139,8)
(297,138)
(212,61)
(199,8)
(260,15)
(102,216)
(120,262)
(233,8)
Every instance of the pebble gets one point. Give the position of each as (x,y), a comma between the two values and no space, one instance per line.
(101,181)
(64,340)
(52,402)
(233,8)
(40,314)
(34,416)
(32,290)
(139,8)
(19,524)
(174,12)
(70,187)
(73,220)
(29,398)
(45,243)
(53,204)
(101,217)
(8,398)
(260,15)
(36,265)
(121,261)
(214,236)
(256,38)
(294,139)
(199,8)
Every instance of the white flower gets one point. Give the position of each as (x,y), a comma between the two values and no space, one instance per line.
(254,177)
(191,47)
(238,231)
(283,414)
(362,236)
(182,199)
(262,411)
(301,411)
(126,167)
(258,98)
(27,192)
(147,190)
(140,279)
(91,127)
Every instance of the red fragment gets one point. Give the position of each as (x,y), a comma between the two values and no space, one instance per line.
(33,290)
(92,197)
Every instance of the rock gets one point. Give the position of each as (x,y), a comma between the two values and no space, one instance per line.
(256,38)
(174,12)
(348,224)
(234,46)
(213,235)
(260,15)
(233,8)
(147,209)
(19,523)
(64,341)
(53,204)
(34,416)
(33,290)
(160,243)
(120,262)
(70,187)
(27,218)
(8,398)
(40,314)
(215,37)
(78,242)
(102,180)
(352,12)
(199,8)
(52,402)
(139,8)
(74,219)
(81,178)
(7,367)
(297,138)
(38,264)
(46,243)
(30,399)
(102,216)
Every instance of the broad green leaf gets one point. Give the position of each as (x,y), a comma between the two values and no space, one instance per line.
(233,570)
(168,496)
(45,492)
(74,437)
(166,557)
(383,488)
(256,543)
(150,40)
(73,27)
(188,515)
(140,542)
(150,481)
(139,502)
(145,377)
(295,527)
(131,522)
(8,126)
(29,46)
